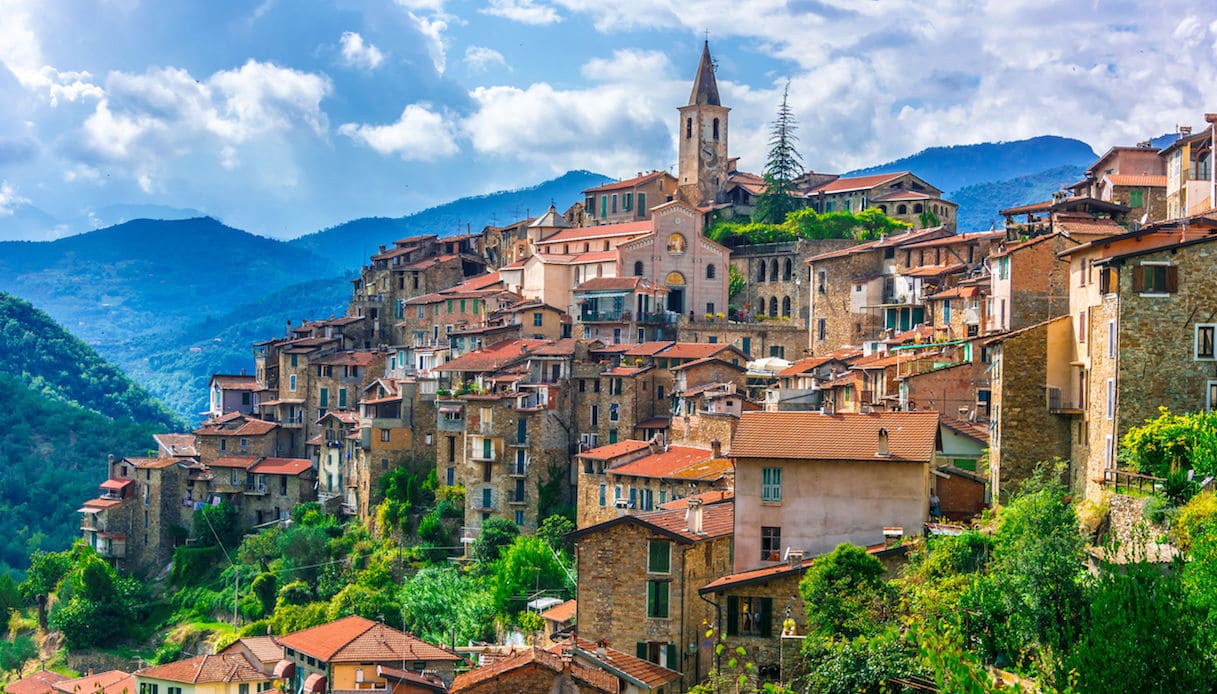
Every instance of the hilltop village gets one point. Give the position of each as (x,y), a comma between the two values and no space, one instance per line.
(713,414)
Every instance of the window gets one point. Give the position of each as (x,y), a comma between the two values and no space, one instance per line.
(821,329)
(295,363)
(760,273)
(786,306)
(325,397)
(595,414)
(613,204)
(538,319)
(747,616)
(1211,396)
(714,127)
(519,491)
(659,557)
(657,599)
(1111,339)
(710,271)
(659,392)
(614,412)
(1149,278)
(773,270)
(242,688)
(638,268)
(342,398)
(1204,341)
(710,308)
(178,690)
(385,435)
(773,307)
(627,201)
(602,490)
(822,284)
(486,497)
(148,688)
(771,543)
(642,202)
(788,270)
(771,484)
(1111,398)
(450,477)
(519,518)
(291,382)
(1136,198)
(688,128)
(1082,326)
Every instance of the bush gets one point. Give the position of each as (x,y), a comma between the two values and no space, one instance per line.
(844,592)
(1197,516)
(295,593)
(192,566)
(496,534)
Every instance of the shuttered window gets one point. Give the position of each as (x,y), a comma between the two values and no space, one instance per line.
(657,599)
(1155,279)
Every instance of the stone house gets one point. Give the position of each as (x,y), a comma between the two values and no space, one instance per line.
(638,581)
(559,621)
(614,402)
(675,255)
(775,274)
(614,310)
(807,482)
(354,653)
(959,312)
(900,195)
(634,477)
(799,386)
(1131,176)
(334,452)
(756,340)
(628,200)
(239,434)
(634,675)
(395,422)
(1189,171)
(336,382)
(533,319)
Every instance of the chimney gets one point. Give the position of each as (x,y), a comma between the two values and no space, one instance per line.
(602,648)
(693,516)
(883,451)
(110,459)
(382,249)
(794,557)
(716,448)
(89,672)
(289,328)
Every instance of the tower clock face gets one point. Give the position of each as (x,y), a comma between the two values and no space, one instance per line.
(707,150)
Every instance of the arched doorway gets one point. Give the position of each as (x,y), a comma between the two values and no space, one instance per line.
(676,292)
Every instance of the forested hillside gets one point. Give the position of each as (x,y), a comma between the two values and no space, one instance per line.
(65,410)
(979,203)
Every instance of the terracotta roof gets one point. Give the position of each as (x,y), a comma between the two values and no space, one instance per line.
(282,466)
(1143,180)
(117,485)
(669,463)
(360,358)
(627,182)
(714,496)
(654,423)
(498,669)
(1089,226)
(100,503)
(648,349)
(38,683)
(693,350)
(428,682)
(355,639)
(610,283)
(954,239)
(978,431)
(495,356)
(933,270)
(238,461)
(234,382)
(769,572)
(476,283)
(842,185)
(855,437)
(228,667)
(802,366)
(955,292)
(561,613)
(717,521)
(250,427)
(626,370)
(614,450)
(559,348)
(625,665)
(264,648)
(154,463)
(598,232)
(176,444)
(108,682)
(702,361)
(904,195)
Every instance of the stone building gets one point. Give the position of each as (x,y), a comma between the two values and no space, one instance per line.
(231,393)
(239,434)
(1189,172)
(900,195)
(634,675)
(675,255)
(534,670)
(633,477)
(614,310)
(702,140)
(334,452)
(807,482)
(756,340)
(1131,176)
(775,274)
(638,581)
(628,200)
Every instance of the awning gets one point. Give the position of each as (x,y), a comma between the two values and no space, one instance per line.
(88,509)
(284,669)
(116,484)
(315,683)
(450,409)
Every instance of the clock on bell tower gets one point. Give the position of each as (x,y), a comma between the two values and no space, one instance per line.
(703,138)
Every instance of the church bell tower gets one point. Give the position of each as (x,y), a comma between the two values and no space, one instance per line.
(702,135)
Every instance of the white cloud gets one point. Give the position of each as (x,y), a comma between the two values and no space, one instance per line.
(21,53)
(9,199)
(419,135)
(432,28)
(628,65)
(356,53)
(481,58)
(523,11)
(422,5)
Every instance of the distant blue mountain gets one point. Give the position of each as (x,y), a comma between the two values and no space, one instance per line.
(952,168)
(349,244)
(979,203)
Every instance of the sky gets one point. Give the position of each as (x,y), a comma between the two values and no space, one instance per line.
(284,117)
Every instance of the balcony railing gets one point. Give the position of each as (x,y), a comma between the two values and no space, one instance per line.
(605,316)
(1058,404)
(1127,481)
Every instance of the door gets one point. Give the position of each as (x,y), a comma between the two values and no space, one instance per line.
(676,299)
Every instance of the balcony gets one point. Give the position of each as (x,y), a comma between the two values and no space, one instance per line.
(658,317)
(482,455)
(517,501)
(605,316)
(1059,405)
(519,442)
(518,470)
(256,490)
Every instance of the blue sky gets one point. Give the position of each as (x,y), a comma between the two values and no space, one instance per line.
(285,117)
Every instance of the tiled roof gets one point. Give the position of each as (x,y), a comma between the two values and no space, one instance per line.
(903,195)
(108,682)
(802,366)
(654,423)
(653,676)
(667,464)
(176,444)
(702,361)
(243,462)
(693,350)
(1143,180)
(38,683)
(495,356)
(561,613)
(154,463)
(599,232)
(648,349)
(716,521)
(228,667)
(933,270)
(234,382)
(955,239)
(355,639)
(769,572)
(264,648)
(1089,226)
(282,466)
(626,370)
(628,182)
(846,436)
(559,348)
(476,283)
(842,185)
(955,292)
(595,680)
(608,283)
(714,496)
(615,450)
(251,427)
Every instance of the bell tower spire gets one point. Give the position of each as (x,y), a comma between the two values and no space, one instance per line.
(702,137)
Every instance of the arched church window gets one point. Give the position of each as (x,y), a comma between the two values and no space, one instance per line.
(788,270)
(773,307)
(760,272)
(688,128)
(715,127)
(710,271)
(773,271)
(786,306)
(902,209)
(638,268)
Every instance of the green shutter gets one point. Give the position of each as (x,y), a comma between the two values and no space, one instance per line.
(603,205)
(642,202)
(659,559)
(673,664)
(661,591)
(342,397)
(732,615)
(325,397)
(640,650)
(766,616)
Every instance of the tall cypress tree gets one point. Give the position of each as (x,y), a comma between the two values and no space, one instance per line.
(782,167)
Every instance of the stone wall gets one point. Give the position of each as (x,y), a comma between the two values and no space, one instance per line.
(783,339)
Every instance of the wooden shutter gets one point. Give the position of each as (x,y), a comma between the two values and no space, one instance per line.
(673,663)
(1138,278)
(732,615)
(1172,279)
(640,650)
(766,616)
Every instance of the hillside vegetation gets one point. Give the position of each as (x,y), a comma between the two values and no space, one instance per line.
(65,410)
(979,203)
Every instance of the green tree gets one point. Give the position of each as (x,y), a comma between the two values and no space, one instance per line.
(735,282)
(496,534)
(434,537)
(220,524)
(862,665)
(555,530)
(844,593)
(783,166)
(526,567)
(442,603)
(1173,442)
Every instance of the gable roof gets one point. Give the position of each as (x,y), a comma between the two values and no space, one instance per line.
(282,466)
(846,436)
(614,450)
(37,683)
(108,682)
(561,613)
(556,663)
(495,356)
(683,462)
(631,668)
(355,639)
(628,182)
(717,521)
(226,667)
(842,185)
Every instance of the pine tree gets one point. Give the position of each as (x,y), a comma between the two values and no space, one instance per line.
(782,167)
